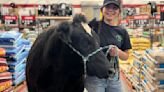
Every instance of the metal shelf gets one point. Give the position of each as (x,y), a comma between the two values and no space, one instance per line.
(54,17)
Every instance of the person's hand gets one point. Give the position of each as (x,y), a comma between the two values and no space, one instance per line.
(114,51)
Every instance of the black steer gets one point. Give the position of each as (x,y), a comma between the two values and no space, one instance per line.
(53,66)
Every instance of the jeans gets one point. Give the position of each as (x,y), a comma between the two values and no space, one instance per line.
(94,84)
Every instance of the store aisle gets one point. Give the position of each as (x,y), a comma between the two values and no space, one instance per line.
(125,87)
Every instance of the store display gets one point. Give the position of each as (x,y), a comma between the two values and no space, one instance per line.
(152,77)
(10,20)
(5,76)
(64,9)
(2,52)
(61,9)
(9,38)
(16,51)
(5,84)
(10,89)
(144,21)
(54,9)
(28,20)
(140,44)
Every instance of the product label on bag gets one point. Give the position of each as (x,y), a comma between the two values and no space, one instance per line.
(28,20)
(10,20)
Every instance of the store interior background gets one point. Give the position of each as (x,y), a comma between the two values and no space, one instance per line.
(142,72)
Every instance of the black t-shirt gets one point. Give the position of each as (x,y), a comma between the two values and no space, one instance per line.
(111,35)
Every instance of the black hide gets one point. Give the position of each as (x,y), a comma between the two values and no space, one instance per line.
(52,66)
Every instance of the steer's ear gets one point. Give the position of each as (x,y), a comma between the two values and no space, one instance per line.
(79,18)
(64,31)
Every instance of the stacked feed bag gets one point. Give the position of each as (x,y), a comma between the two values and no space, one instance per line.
(10,39)
(139,44)
(16,54)
(153,70)
(5,76)
(126,70)
(136,70)
(30,35)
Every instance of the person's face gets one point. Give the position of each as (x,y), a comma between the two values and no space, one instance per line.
(110,11)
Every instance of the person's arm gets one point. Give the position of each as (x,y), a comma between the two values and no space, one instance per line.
(123,55)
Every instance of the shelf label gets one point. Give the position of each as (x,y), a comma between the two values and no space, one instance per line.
(141,17)
(44,23)
(157,16)
(124,21)
(28,20)
(162,8)
(10,20)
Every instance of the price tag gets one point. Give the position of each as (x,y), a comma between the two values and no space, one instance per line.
(10,20)
(28,20)
(141,20)
(45,23)
(157,16)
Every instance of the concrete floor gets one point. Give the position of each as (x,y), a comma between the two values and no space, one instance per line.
(124,87)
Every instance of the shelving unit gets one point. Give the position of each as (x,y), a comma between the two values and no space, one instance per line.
(141,24)
(28,18)
(54,17)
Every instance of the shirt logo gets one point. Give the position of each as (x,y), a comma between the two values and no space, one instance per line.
(119,38)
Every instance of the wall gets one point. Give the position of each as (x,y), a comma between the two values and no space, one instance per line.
(39,1)
(76,3)
(140,1)
(71,1)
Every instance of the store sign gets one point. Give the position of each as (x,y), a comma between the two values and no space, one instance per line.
(162,8)
(141,20)
(28,20)
(10,20)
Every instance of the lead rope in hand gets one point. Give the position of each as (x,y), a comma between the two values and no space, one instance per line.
(113,59)
(86,58)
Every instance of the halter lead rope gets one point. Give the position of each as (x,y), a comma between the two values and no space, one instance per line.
(86,58)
